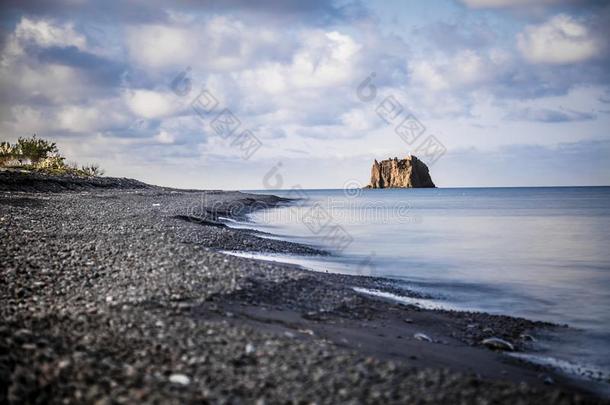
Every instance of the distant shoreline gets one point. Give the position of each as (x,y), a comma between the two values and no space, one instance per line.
(430,190)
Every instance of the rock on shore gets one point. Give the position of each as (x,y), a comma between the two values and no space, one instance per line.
(405,173)
(25,181)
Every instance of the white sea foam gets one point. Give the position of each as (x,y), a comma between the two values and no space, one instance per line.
(423,303)
(584,371)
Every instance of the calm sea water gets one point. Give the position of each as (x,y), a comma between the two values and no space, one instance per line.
(539,253)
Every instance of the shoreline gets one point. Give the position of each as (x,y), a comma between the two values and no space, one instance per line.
(133,282)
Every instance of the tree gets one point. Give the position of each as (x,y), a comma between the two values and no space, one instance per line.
(35,149)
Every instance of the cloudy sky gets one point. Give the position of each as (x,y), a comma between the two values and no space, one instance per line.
(284,93)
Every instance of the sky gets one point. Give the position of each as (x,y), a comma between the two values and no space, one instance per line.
(281,94)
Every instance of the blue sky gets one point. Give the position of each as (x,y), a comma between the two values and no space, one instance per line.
(501,93)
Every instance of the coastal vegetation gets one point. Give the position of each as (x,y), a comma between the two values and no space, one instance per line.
(39,155)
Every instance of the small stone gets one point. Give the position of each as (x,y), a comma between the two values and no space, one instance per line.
(22,333)
(109,298)
(408,320)
(179,379)
(498,344)
(423,337)
(250,348)
(63,364)
(548,380)
(130,371)
(527,338)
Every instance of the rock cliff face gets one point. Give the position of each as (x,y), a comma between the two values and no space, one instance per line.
(405,173)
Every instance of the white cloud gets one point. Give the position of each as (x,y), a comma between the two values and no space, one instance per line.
(79,119)
(150,104)
(26,75)
(42,33)
(158,45)
(25,120)
(549,115)
(560,40)
(60,84)
(165,137)
(467,68)
(360,119)
(325,59)
(47,33)
(507,3)
(98,115)
(271,78)
(314,87)
(427,74)
(220,44)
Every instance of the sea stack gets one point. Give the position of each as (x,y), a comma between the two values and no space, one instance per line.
(405,173)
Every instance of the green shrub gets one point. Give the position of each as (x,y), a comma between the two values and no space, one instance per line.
(41,155)
(92,170)
(35,149)
(72,165)
(55,162)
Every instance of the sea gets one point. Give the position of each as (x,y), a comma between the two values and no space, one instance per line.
(541,253)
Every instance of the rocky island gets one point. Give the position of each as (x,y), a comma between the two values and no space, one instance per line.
(405,173)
